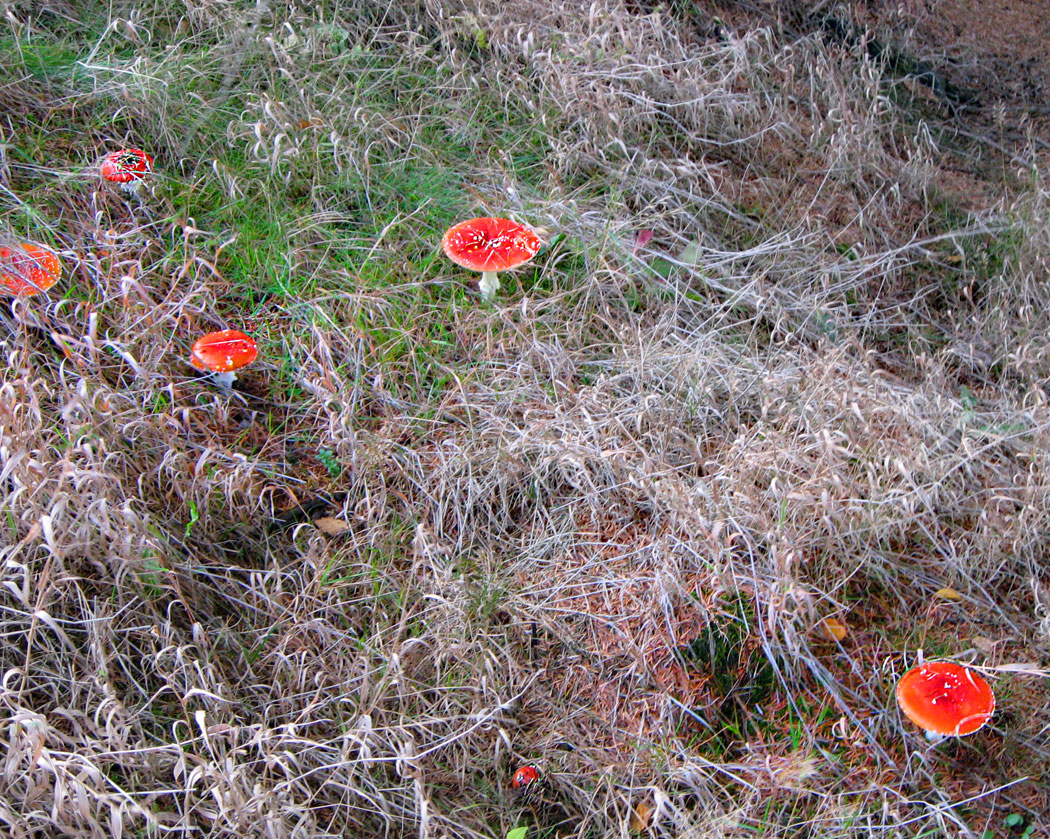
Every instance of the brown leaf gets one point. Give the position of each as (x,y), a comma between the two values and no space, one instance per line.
(832,629)
(330,526)
(642,816)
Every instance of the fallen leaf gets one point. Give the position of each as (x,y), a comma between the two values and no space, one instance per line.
(642,240)
(985,645)
(832,629)
(517,833)
(642,816)
(330,526)
(947,594)
(690,254)
(306,510)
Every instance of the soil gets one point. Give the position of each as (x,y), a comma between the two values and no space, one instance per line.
(995,56)
(981,70)
(997,50)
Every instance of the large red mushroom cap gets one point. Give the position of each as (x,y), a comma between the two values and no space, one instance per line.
(223,352)
(490,244)
(26,269)
(945,698)
(126,166)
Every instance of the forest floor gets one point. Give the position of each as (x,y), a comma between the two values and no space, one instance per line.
(764,423)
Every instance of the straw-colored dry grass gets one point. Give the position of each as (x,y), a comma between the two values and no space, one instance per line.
(595,527)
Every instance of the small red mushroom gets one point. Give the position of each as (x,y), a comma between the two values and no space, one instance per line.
(525,776)
(490,245)
(223,353)
(527,786)
(945,699)
(126,168)
(26,269)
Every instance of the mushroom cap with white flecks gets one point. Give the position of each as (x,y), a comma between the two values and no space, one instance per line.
(126,165)
(224,351)
(945,698)
(26,268)
(490,244)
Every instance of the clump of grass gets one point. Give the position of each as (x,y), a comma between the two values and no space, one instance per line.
(593,527)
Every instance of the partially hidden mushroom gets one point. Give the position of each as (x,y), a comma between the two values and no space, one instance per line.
(526,786)
(126,168)
(26,268)
(490,245)
(945,699)
(524,776)
(223,353)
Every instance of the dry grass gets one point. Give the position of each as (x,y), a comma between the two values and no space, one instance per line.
(594,527)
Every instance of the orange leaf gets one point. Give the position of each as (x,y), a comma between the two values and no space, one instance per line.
(832,629)
(642,816)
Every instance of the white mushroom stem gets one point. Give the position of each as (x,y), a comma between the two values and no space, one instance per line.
(488,285)
(934,738)
(226,379)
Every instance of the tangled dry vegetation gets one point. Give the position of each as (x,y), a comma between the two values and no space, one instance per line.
(604,527)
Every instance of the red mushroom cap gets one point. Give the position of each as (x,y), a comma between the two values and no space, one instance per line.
(126,165)
(945,698)
(490,244)
(27,268)
(525,776)
(223,352)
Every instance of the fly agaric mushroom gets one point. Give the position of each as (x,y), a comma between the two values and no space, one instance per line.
(26,269)
(223,353)
(524,776)
(490,245)
(126,168)
(526,786)
(945,699)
